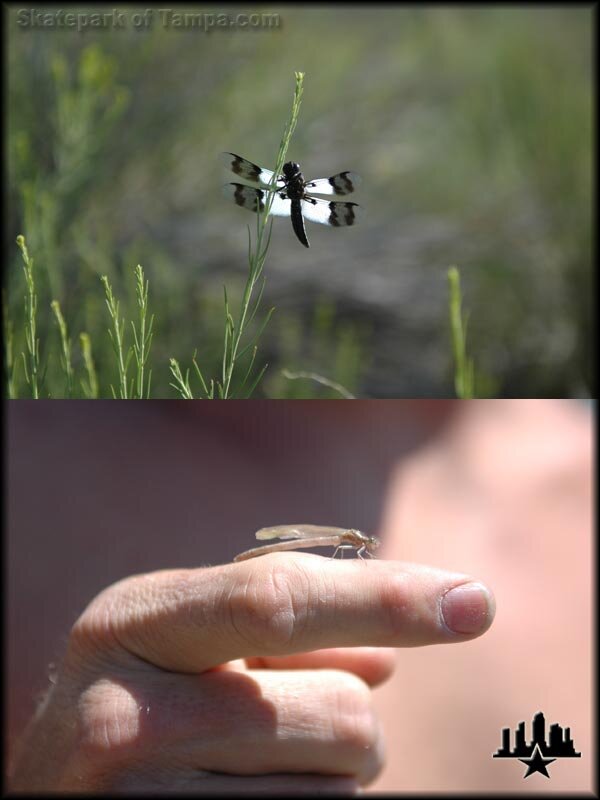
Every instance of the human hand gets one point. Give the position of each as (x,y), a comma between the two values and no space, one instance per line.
(253,676)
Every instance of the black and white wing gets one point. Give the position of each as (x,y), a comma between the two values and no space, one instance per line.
(248,171)
(338,215)
(342,183)
(255,199)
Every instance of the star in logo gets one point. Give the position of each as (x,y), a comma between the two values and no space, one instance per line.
(536,763)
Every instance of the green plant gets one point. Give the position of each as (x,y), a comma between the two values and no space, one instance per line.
(90,384)
(464,374)
(32,341)
(65,346)
(313,376)
(117,338)
(473,163)
(142,340)
(183,384)
(233,349)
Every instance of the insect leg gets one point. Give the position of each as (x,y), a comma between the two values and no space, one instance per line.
(342,547)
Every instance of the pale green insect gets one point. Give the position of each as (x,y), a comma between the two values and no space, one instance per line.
(301,536)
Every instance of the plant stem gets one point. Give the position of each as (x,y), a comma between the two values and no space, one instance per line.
(33,343)
(143,340)
(463,365)
(313,376)
(65,344)
(116,336)
(91,389)
(256,259)
(182,384)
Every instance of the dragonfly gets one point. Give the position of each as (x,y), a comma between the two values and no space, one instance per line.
(297,537)
(292,194)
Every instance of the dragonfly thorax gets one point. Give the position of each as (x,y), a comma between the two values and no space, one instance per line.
(294,187)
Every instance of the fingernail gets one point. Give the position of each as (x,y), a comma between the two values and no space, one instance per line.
(468,608)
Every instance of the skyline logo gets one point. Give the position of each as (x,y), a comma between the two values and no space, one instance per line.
(538,753)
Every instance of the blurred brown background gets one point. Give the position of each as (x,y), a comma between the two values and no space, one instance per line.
(498,489)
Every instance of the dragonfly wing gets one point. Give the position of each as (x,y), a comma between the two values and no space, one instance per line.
(255,199)
(329,213)
(297,532)
(247,170)
(343,183)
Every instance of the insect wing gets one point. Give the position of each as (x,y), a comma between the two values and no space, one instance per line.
(247,170)
(342,183)
(255,199)
(298,532)
(337,215)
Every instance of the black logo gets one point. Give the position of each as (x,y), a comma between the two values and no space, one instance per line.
(535,753)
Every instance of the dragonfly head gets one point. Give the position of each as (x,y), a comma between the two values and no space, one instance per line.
(291,169)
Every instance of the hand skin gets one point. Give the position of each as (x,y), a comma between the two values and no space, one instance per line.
(253,676)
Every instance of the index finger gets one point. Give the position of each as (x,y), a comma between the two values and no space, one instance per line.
(284,603)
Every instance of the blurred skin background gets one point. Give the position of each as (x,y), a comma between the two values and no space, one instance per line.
(471,129)
(497,489)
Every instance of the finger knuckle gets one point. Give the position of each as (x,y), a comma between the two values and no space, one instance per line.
(109,729)
(97,627)
(265,611)
(401,613)
(356,726)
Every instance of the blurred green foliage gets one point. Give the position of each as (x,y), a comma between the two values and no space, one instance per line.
(471,128)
